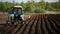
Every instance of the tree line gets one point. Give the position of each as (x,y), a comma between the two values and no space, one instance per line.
(31,6)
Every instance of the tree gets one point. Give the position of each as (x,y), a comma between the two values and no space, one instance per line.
(59,0)
(42,3)
(2,7)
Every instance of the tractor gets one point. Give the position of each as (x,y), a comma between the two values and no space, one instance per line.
(16,16)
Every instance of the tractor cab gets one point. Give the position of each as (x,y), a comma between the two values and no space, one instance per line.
(17,9)
(17,13)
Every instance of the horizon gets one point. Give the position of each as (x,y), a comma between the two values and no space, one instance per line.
(19,1)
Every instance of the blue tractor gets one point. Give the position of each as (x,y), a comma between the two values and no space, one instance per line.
(16,15)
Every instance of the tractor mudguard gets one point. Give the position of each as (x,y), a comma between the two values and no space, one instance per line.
(11,15)
(22,16)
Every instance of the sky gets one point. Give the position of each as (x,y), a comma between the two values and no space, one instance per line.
(19,1)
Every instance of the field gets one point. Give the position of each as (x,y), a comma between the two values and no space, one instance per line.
(36,24)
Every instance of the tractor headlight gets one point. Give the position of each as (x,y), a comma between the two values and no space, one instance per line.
(11,15)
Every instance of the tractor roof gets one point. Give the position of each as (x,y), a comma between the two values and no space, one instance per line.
(18,6)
